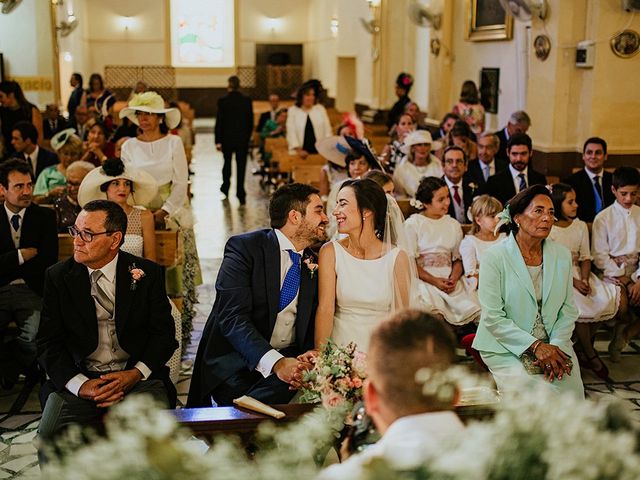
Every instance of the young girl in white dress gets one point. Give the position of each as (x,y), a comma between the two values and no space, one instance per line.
(363,277)
(482,214)
(434,240)
(596,300)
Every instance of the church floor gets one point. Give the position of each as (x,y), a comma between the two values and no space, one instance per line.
(216,220)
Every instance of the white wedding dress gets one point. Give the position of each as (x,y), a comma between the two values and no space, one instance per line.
(364,295)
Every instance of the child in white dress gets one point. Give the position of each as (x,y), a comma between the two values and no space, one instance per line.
(482,214)
(596,300)
(615,245)
(434,239)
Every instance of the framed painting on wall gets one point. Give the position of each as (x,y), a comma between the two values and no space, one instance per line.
(487,20)
(490,89)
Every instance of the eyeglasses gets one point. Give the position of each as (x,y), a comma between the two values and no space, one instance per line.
(84,235)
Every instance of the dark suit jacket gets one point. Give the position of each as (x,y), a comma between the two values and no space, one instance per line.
(45,159)
(234,120)
(264,116)
(468,192)
(50,130)
(502,151)
(501,184)
(39,230)
(475,175)
(586,197)
(241,322)
(69,328)
(74,101)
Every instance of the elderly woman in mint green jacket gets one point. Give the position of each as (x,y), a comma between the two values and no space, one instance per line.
(526,293)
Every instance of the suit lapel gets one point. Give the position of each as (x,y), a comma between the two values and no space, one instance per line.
(5,232)
(79,289)
(272,275)
(305,301)
(517,263)
(124,293)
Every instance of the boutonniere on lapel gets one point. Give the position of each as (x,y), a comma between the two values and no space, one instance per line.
(313,267)
(473,186)
(136,275)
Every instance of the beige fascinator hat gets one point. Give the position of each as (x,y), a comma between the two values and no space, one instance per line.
(144,186)
(416,138)
(150,102)
(334,149)
(62,137)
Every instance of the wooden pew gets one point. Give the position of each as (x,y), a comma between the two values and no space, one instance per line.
(168,250)
(309,174)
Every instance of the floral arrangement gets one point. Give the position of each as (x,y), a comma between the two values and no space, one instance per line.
(312,265)
(336,378)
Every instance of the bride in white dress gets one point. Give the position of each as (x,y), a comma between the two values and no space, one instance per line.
(366,276)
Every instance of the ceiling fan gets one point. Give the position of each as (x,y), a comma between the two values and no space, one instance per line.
(9,5)
(524,10)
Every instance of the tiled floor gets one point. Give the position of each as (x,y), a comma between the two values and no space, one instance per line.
(217,219)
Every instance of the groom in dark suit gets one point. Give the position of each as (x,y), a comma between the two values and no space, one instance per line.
(106,329)
(263,315)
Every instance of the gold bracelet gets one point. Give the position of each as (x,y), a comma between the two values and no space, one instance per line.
(535,346)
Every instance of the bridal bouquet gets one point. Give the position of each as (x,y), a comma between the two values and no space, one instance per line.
(336,378)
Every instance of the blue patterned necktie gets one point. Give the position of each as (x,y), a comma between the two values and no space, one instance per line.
(291,282)
(15,222)
(523,182)
(598,189)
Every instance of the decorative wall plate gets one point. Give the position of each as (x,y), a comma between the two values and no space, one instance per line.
(542,47)
(626,43)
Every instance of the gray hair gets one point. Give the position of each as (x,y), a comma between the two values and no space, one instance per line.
(492,136)
(80,165)
(520,117)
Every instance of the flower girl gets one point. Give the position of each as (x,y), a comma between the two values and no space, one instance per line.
(434,238)
(596,300)
(482,214)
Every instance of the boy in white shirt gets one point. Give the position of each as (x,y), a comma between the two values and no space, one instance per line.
(615,248)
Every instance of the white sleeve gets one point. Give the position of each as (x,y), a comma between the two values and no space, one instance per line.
(455,252)
(293,139)
(469,257)
(75,383)
(600,249)
(180,177)
(266,363)
(584,252)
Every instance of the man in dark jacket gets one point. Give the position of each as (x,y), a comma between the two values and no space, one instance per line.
(234,124)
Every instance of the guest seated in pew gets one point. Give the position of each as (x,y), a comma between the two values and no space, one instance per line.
(592,184)
(462,136)
(597,301)
(418,163)
(446,125)
(106,329)
(53,122)
(24,139)
(526,293)
(66,206)
(383,179)
(130,188)
(307,120)
(435,245)
(273,129)
(80,122)
(98,148)
(615,247)
(413,109)
(51,183)
(519,123)
(271,114)
(519,175)
(461,189)
(404,82)
(469,108)
(482,213)
(28,246)
(393,153)
(412,424)
(487,164)
(263,315)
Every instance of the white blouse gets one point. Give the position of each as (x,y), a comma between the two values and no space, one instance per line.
(297,120)
(407,176)
(166,161)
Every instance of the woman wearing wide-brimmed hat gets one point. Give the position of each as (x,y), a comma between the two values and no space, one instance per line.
(129,188)
(418,163)
(157,152)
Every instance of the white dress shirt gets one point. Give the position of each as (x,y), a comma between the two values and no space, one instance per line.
(283,334)
(406,444)
(615,232)
(15,235)
(109,352)
(488,169)
(461,215)
(516,179)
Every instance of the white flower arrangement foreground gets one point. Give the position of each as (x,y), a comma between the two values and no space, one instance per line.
(535,434)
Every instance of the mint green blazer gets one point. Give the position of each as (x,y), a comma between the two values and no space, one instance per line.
(509,304)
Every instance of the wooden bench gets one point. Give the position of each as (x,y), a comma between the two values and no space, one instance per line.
(309,174)
(208,422)
(168,250)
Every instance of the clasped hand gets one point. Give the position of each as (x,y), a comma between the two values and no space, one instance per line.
(110,387)
(291,370)
(553,361)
